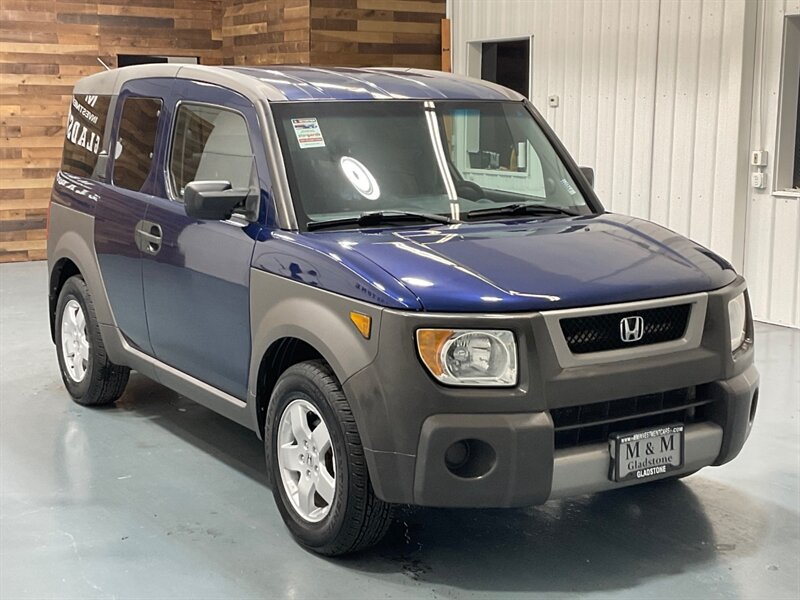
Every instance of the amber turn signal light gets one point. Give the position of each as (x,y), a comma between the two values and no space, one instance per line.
(362,322)
(430,343)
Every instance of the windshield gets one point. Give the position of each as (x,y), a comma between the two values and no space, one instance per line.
(344,159)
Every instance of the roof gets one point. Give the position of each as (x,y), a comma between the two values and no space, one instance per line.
(341,83)
(296,83)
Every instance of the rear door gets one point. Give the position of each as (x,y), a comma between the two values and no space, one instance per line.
(197,282)
(123,202)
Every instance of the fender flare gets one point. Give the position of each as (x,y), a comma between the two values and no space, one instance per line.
(282,308)
(72,238)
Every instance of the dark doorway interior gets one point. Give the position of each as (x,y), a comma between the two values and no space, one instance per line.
(126,60)
(507,63)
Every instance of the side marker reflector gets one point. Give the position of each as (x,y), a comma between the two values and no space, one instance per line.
(362,322)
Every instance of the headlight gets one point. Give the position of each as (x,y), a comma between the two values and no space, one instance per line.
(737,318)
(469,357)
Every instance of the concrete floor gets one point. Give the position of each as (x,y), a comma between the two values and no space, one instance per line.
(161,498)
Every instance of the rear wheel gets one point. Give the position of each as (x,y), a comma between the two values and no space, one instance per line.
(90,378)
(316,464)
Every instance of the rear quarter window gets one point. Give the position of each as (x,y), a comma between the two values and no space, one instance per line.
(86,125)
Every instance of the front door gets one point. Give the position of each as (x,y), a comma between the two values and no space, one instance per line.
(197,280)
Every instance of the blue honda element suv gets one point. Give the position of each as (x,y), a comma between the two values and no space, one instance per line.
(398,279)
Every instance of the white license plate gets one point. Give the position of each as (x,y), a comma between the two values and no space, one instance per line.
(646,453)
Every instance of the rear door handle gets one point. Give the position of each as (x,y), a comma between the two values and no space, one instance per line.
(148,237)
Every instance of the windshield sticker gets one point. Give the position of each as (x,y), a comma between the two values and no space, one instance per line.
(359,175)
(308,133)
(568,186)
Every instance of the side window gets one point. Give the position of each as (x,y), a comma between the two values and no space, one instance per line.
(86,126)
(136,142)
(209,144)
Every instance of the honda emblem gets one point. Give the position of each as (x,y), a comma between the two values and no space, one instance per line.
(631,329)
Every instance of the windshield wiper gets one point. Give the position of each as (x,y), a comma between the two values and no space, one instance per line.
(378,217)
(520,208)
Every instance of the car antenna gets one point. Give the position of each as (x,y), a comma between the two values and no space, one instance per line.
(104,64)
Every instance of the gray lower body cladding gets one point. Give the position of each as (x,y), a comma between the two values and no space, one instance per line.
(408,421)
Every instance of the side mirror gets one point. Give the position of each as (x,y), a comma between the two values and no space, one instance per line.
(588,173)
(213,200)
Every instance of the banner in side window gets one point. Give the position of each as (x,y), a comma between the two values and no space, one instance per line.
(84,135)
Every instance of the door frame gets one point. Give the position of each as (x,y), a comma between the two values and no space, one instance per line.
(474,55)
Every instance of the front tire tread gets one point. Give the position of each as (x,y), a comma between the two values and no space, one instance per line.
(367,518)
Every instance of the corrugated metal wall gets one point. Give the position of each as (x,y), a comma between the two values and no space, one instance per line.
(772,259)
(656,96)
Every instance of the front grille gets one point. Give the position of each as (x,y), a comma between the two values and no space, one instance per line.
(596,333)
(594,423)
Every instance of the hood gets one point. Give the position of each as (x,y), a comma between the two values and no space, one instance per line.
(526,265)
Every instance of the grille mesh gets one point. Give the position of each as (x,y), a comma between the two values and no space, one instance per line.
(597,333)
(594,423)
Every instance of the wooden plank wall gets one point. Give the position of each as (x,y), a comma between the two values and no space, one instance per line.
(354,33)
(381,33)
(45,47)
(447,55)
(265,32)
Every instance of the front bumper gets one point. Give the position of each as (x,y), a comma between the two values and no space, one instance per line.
(407,421)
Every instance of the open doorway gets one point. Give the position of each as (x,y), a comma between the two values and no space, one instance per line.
(507,63)
(126,60)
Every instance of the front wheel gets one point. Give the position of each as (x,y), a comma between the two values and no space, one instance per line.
(316,464)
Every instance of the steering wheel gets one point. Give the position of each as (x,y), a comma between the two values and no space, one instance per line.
(469,190)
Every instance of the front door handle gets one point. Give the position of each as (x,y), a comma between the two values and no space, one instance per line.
(148,237)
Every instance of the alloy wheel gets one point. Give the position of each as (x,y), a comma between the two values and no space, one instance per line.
(306,460)
(74,341)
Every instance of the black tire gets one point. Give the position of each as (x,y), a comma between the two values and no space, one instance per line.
(357,518)
(104,382)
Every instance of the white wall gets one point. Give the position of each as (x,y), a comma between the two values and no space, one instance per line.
(656,95)
(772,259)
